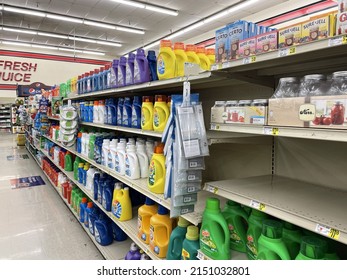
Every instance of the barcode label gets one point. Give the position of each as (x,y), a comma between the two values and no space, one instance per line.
(257,205)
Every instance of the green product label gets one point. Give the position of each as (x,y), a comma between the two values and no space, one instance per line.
(234,236)
(185,255)
(207,242)
(253,252)
(151,175)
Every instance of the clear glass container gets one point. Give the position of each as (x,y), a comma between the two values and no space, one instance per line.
(312,85)
(287,87)
(243,103)
(338,83)
(260,102)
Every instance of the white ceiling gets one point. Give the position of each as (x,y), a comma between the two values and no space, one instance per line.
(155,25)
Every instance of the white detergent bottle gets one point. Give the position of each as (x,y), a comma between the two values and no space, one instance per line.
(84,144)
(96,112)
(120,158)
(140,140)
(112,154)
(105,150)
(90,178)
(143,160)
(131,141)
(149,149)
(132,167)
(101,111)
(87,144)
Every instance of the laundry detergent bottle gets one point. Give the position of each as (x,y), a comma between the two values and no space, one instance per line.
(191,244)
(211,55)
(181,58)
(312,248)
(292,236)
(271,244)
(152,63)
(127,112)
(147,113)
(141,68)
(161,113)
(166,63)
(236,218)
(145,212)
(122,71)
(121,205)
(136,112)
(120,107)
(132,166)
(176,240)
(156,173)
(191,54)
(120,159)
(205,63)
(143,159)
(103,230)
(214,232)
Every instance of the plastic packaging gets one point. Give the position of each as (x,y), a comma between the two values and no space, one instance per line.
(134,253)
(107,195)
(136,112)
(292,236)
(103,231)
(311,248)
(211,55)
(120,159)
(129,79)
(176,240)
(191,54)
(120,107)
(118,234)
(132,167)
(122,71)
(145,212)
(191,244)
(152,63)
(181,58)
(141,68)
(166,63)
(101,78)
(160,113)
(143,160)
(312,85)
(205,63)
(287,87)
(147,113)
(121,205)
(127,112)
(156,176)
(114,73)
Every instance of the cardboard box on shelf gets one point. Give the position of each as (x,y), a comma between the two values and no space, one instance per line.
(256,115)
(289,36)
(237,31)
(247,47)
(222,49)
(316,28)
(341,20)
(267,42)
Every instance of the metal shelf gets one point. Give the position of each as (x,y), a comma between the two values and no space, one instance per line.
(125,129)
(234,256)
(317,208)
(339,135)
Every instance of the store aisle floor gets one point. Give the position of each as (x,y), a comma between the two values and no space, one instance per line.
(34,222)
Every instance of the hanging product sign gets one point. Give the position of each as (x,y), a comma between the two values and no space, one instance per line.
(27,182)
(32,89)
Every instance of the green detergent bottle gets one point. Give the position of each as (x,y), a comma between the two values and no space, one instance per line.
(75,167)
(214,232)
(292,236)
(270,244)
(68,162)
(191,244)
(312,248)
(176,240)
(91,144)
(255,225)
(247,209)
(236,219)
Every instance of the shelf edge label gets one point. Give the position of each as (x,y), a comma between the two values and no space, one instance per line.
(328,231)
(257,205)
(212,189)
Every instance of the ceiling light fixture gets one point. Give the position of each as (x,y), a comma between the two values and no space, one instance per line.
(44,47)
(70,50)
(64,18)
(108,43)
(52,35)
(126,29)
(98,24)
(19,30)
(24,11)
(146,6)
(16,44)
(82,39)
(95,53)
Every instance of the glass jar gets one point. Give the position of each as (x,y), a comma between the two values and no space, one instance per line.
(287,87)
(218,112)
(232,114)
(244,103)
(312,85)
(338,83)
(260,102)
(337,113)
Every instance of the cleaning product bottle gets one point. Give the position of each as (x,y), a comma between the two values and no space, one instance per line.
(105,151)
(191,54)
(80,172)
(211,55)
(255,225)
(101,111)
(312,248)
(236,219)
(157,171)
(152,64)
(127,112)
(214,232)
(160,113)
(103,230)
(79,142)
(205,63)
(68,162)
(181,58)
(271,244)
(107,77)
(136,112)
(85,169)
(134,253)
(176,240)
(145,212)
(141,68)
(91,111)
(90,178)
(118,234)
(292,236)
(112,154)
(78,201)
(75,168)
(117,187)
(122,71)
(107,197)
(95,84)
(93,215)
(160,231)
(166,64)
(132,167)
(79,88)
(143,159)
(114,73)
(95,185)
(101,184)
(95,112)
(147,113)
(120,158)
(149,149)
(121,205)
(129,79)
(91,144)
(191,244)
(112,112)
(101,78)
(83,207)
(120,111)
(87,213)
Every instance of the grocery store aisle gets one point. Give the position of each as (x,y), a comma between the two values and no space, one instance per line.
(34,222)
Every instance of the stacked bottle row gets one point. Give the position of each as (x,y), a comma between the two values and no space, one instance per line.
(128,112)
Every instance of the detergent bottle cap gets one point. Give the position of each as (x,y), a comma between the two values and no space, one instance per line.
(162,210)
(140,51)
(179,46)
(190,48)
(210,51)
(84,200)
(272,229)
(192,233)
(160,98)
(258,213)
(107,67)
(159,149)
(79,134)
(313,247)
(232,203)
(82,76)
(96,102)
(86,167)
(91,73)
(213,204)
(90,205)
(151,53)
(102,69)
(200,50)
(101,102)
(182,222)
(149,201)
(118,185)
(80,165)
(96,71)
(147,99)
(86,74)
(79,77)
(165,43)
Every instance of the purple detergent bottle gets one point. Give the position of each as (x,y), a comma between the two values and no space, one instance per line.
(121,71)
(129,80)
(141,68)
(114,73)
(134,253)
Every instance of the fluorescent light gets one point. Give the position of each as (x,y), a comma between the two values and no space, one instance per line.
(20,30)
(44,47)
(130,3)
(194,26)
(70,50)
(95,53)
(108,43)
(98,24)
(82,39)
(24,11)
(241,5)
(161,10)
(126,29)
(64,18)
(146,6)
(52,35)
(216,16)
(16,44)
(174,35)
(151,45)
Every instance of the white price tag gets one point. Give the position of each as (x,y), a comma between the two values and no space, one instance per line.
(191,189)
(187,199)
(184,211)
(257,205)
(200,255)
(337,41)
(328,231)
(211,189)
(249,59)
(191,177)
(214,67)
(225,65)
(267,130)
(191,148)
(287,51)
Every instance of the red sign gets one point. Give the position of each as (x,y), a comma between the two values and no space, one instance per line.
(16,71)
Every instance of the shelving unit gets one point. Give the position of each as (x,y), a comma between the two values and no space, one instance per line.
(5,116)
(53,118)
(234,256)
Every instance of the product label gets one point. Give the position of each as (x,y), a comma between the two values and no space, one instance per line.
(116,209)
(99,196)
(251,246)
(134,121)
(117,165)
(103,200)
(88,85)
(125,118)
(110,162)
(128,76)
(141,234)
(161,65)
(119,116)
(91,228)
(143,117)
(156,118)
(307,112)
(86,220)
(120,81)
(137,76)
(328,231)
(151,175)
(185,255)
(191,177)
(234,236)
(97,235)
(108,79)
(187,199)
(207,242)
(127,166)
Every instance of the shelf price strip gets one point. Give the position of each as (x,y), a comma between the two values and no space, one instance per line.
(249,59)
(212,189)
(286,52)
(328,231)
(337,41)
(271,131)
(257,205)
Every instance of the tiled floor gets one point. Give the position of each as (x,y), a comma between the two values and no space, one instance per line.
(34,222)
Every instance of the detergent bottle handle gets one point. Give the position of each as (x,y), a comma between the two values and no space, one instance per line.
(226,235)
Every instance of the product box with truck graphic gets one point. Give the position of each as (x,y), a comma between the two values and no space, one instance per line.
(316,28)
(247,47)
(222,49)
(341,18)
(237,31)
(316,111)
(267,42)
(289,36)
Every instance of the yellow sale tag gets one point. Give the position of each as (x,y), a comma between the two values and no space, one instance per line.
(253,59)
(275,131)
(262,207)
(219,66)
(344,39)
(292,50)
(334,233)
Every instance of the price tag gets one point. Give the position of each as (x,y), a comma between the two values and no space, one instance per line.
(257,205)
(287,51)
(271,130)
(225,65)
(200,255)
(215,127)
(214,67)
(275,131)
(184,211)
(212,189)
(328,231)
(249,59)
(337,41)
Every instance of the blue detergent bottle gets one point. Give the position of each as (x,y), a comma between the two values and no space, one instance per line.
(81,109)
(152,63)
(93,215)
(121,71)
(101,188)
(107,196)
(80,172)
(112,112)
(85,111)
(103,230)
(90,111)
(95,80)
(129,79)
(118,234)
(89,209)
(97,149)
(96,186)
(107,77)
(79,88)
(101,78)
(136,112)
(127,112)
(83,208)
(114,73)
(120,106)
(106,111)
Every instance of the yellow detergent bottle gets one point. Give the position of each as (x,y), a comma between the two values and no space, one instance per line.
(205,63)
(145,213)
(121,205)
(156,177)
(147,113)
(161,113)
(191,54)
(166,62)
(160,231)
(169,103)
(211,55)
(181,58)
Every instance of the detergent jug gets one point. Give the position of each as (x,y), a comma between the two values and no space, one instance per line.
(105,151)
(89,209)
(271,244)
(191,54)
(255,225)
(107,197)
(118,234)
(101,184)
(112,111)
(107,77)
(191,244)
(93,215)
(147,113)
(80,172)
(160,231)
(120,158)
(114,73)
(95,84)
(157,171)
(236,219)
(127,112)
(143,159)
(79,142)
(160,113)
(129,70)
(95,185)
(101,78)
(111,162)
(91,145)
(120,111)
(176,240)
(152,63)
(292,236)
(181,58)
(68,166)
(103,230)
(312,248)
(83,208)
(122,71)
(145,212)
(214,232)
(136,112)
(79,87)
(211,55)
(121,205)
(166,63)
(205,63)
(134,253)
(90,177)
(141,68)
(132,167)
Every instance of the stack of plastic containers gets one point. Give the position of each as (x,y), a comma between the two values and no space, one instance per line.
(68,125)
